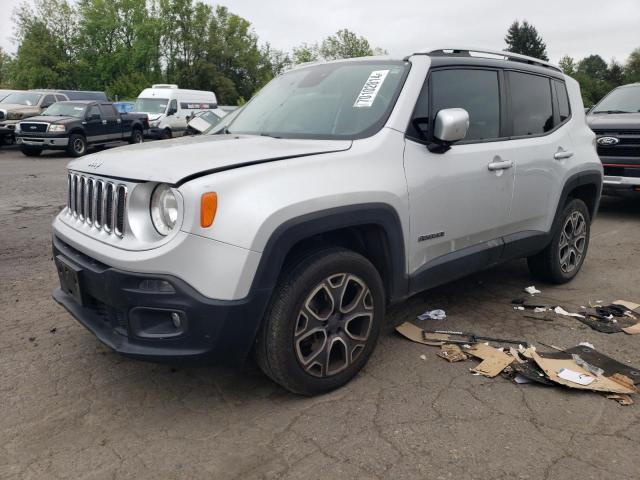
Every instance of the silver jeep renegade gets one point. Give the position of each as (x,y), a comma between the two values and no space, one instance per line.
(340,188)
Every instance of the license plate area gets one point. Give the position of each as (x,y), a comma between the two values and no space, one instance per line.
(69,276)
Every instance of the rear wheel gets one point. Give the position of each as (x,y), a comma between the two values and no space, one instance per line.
(562,259)
(30,151)
(136,136)
(323,322)
(77,145)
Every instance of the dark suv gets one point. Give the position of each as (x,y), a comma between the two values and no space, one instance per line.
(616,122)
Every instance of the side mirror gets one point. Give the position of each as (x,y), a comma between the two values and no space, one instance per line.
(451,125)
(586,110)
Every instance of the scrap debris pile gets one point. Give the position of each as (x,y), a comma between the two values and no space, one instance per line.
(581,367)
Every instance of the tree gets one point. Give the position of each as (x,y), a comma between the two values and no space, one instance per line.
(524,39)
(345,44)
(305,53)
(5,67)
(632,68)
(568,65)
(615,73)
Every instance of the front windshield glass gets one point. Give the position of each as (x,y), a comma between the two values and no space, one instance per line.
(621,100)
(151,105)
(65,110)
(23,98)
(343,100)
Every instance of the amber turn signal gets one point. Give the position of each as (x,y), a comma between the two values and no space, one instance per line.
(208,207)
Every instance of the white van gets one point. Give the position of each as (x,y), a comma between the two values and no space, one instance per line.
(170,108)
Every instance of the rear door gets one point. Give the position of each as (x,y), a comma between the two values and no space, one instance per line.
(111,120)
(460,200)
(543,150)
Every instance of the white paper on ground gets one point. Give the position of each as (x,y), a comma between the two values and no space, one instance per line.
(562,311)
(532,290)
(575,377)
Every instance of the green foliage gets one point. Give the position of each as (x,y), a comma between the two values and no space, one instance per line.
(5,68)
(568,65)
(524,39)
(343,44)
(632,68)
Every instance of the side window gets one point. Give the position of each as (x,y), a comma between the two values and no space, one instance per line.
(563,101)
(531,104)
(173,105)
(60,98)
(477,91)
(48,101)
(108,111)
(94,110)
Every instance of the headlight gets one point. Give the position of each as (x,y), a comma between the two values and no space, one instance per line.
(18,129)
(164,209)
(13,116)
(154,123)
(57,128)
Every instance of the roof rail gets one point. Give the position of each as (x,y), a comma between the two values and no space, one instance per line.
(463,51)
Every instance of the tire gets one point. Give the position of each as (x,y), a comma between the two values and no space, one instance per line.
(77,145)
(166,134)
(136,136)
(30,151)
(306,344)
(562,259)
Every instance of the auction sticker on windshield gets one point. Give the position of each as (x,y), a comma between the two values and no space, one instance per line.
(370,89)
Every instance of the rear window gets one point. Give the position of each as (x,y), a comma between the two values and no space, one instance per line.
(531,104)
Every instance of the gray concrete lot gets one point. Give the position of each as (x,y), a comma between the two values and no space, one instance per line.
(72,409)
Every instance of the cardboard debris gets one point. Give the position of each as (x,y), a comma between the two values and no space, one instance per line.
(416,334)
(621,399)
(635,309)
(452,353)
(576,377)
(553,363)
(494,361)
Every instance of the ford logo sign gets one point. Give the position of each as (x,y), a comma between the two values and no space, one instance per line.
(608,141)
(33,127)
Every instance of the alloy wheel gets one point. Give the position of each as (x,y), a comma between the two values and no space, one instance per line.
(573,239)
(78,146)
(333,325)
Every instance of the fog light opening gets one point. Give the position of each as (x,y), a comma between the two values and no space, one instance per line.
(151,285)
(177,321)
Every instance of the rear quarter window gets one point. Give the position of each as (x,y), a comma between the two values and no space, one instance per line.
(564,109)
(531,104)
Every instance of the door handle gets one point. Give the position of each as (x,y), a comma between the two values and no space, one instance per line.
(500,165)
(562,155)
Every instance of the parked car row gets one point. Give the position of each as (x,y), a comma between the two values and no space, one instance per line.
(74,120)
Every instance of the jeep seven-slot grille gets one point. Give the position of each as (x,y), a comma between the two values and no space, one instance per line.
(97,202)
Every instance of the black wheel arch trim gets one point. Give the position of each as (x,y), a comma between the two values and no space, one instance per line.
(297,229)
(580,179)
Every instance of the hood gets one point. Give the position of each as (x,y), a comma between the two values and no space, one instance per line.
(16,107)
(53,119)
(172,161)
(614,121)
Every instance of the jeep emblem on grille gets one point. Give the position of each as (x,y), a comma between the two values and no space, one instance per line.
(608,141)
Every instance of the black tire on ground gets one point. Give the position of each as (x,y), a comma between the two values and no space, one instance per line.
(77,145)
(166,134)
(562,259)
(30,151)
(136,136)
(322,323)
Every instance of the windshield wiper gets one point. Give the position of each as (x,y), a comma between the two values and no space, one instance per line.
(269,135)
(609,112)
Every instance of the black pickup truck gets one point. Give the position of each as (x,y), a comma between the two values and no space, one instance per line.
(75,125)
(616,123)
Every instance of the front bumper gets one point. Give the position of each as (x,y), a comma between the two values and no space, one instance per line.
(43,142)
(136,322)
(8,128)
(154,132)
(621,186)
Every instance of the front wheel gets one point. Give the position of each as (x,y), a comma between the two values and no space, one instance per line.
(30,151)
(323,322)
(562,259)
(77,145)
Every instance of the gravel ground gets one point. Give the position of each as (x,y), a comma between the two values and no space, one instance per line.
(73,409)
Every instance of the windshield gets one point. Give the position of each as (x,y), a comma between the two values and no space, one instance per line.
(23,98)
(151,105)
(621,100)
(65,110)
(344,100)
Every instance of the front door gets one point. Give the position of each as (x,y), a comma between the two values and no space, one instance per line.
(459,200)
(95,130)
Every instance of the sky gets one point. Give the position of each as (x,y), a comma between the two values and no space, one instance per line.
(575,27)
